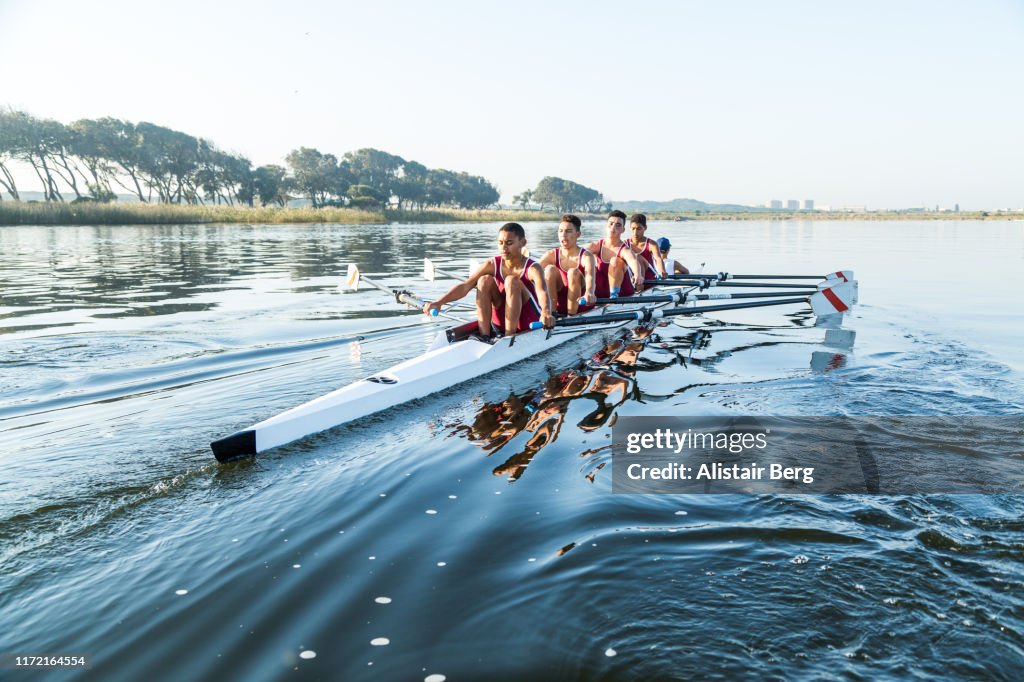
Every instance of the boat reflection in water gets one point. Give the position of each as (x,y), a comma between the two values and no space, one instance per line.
(606,378)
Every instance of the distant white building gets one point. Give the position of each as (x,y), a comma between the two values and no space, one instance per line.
(775,203)
(808,204)
(792,204)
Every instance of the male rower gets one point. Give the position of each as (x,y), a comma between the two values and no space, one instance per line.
(672,266)
(618,270)
(511,291)
(646,250)
(570,270)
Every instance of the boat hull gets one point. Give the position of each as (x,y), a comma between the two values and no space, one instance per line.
(447,364)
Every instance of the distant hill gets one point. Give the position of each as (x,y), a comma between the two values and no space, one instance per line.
(681,206)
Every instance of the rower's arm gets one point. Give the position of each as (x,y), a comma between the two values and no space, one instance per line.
(461,289)
(659,262)
(634,264)
(681,269)
(589,278)
(548,259)
(536,275)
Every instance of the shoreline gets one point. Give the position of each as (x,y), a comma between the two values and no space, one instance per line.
(14,213)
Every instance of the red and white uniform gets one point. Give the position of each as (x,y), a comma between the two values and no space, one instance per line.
(562,299)
(601,286)
(530,310)
(647,253)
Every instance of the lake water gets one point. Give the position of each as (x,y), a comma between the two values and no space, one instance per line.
(476,533)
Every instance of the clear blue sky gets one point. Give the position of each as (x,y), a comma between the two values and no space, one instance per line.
(888,104)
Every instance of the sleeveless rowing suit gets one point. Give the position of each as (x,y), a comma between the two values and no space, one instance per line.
(530,309)
(562,299)
(601,286)
(647,253)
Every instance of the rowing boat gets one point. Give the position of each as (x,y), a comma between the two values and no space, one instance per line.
(457,355)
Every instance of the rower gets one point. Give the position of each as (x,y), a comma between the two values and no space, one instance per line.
(672,266)
(618,271)
(570,270)
(511,292)
(646,250)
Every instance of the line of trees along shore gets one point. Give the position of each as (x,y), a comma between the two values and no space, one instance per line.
(89,160)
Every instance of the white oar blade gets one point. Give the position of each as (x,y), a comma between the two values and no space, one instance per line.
(826,284)
(840,276)
(832,300)
(429,272)
(352,279)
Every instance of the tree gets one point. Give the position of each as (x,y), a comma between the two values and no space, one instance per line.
(566,196)
(523,199)
(317,175)
(271,185)
(376,169)
(14,140)
(364,196)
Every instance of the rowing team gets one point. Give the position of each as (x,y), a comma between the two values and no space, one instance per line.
(514,290)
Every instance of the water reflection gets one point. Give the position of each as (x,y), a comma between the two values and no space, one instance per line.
(607,379)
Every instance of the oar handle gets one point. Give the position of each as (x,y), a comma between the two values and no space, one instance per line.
(582,321)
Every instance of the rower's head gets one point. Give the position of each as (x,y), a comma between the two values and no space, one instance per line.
(616,224)
(664,245)
(511,240)
(569,230)
(638,226)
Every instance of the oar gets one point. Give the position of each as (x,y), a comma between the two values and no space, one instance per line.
(717,283)
(828,301)
(838,276)
(682,297)
(431,271)
(355,278)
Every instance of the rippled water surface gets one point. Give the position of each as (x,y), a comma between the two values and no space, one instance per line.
(475,533)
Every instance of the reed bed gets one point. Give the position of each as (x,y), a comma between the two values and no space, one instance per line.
(58,213)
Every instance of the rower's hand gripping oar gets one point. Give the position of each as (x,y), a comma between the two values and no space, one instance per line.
(827,301)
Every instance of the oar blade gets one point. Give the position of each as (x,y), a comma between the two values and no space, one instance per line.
(352,278)
(429,271)
(829,283)
(833,300)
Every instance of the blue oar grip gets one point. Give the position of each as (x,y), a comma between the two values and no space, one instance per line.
(583,300)
(433,312)
(536,325)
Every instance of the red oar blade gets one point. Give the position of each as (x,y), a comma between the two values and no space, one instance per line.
(833,300)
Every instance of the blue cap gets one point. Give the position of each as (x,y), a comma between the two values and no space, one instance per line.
(664,243)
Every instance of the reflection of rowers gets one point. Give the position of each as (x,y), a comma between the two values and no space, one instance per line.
(542,415)
(511,291)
